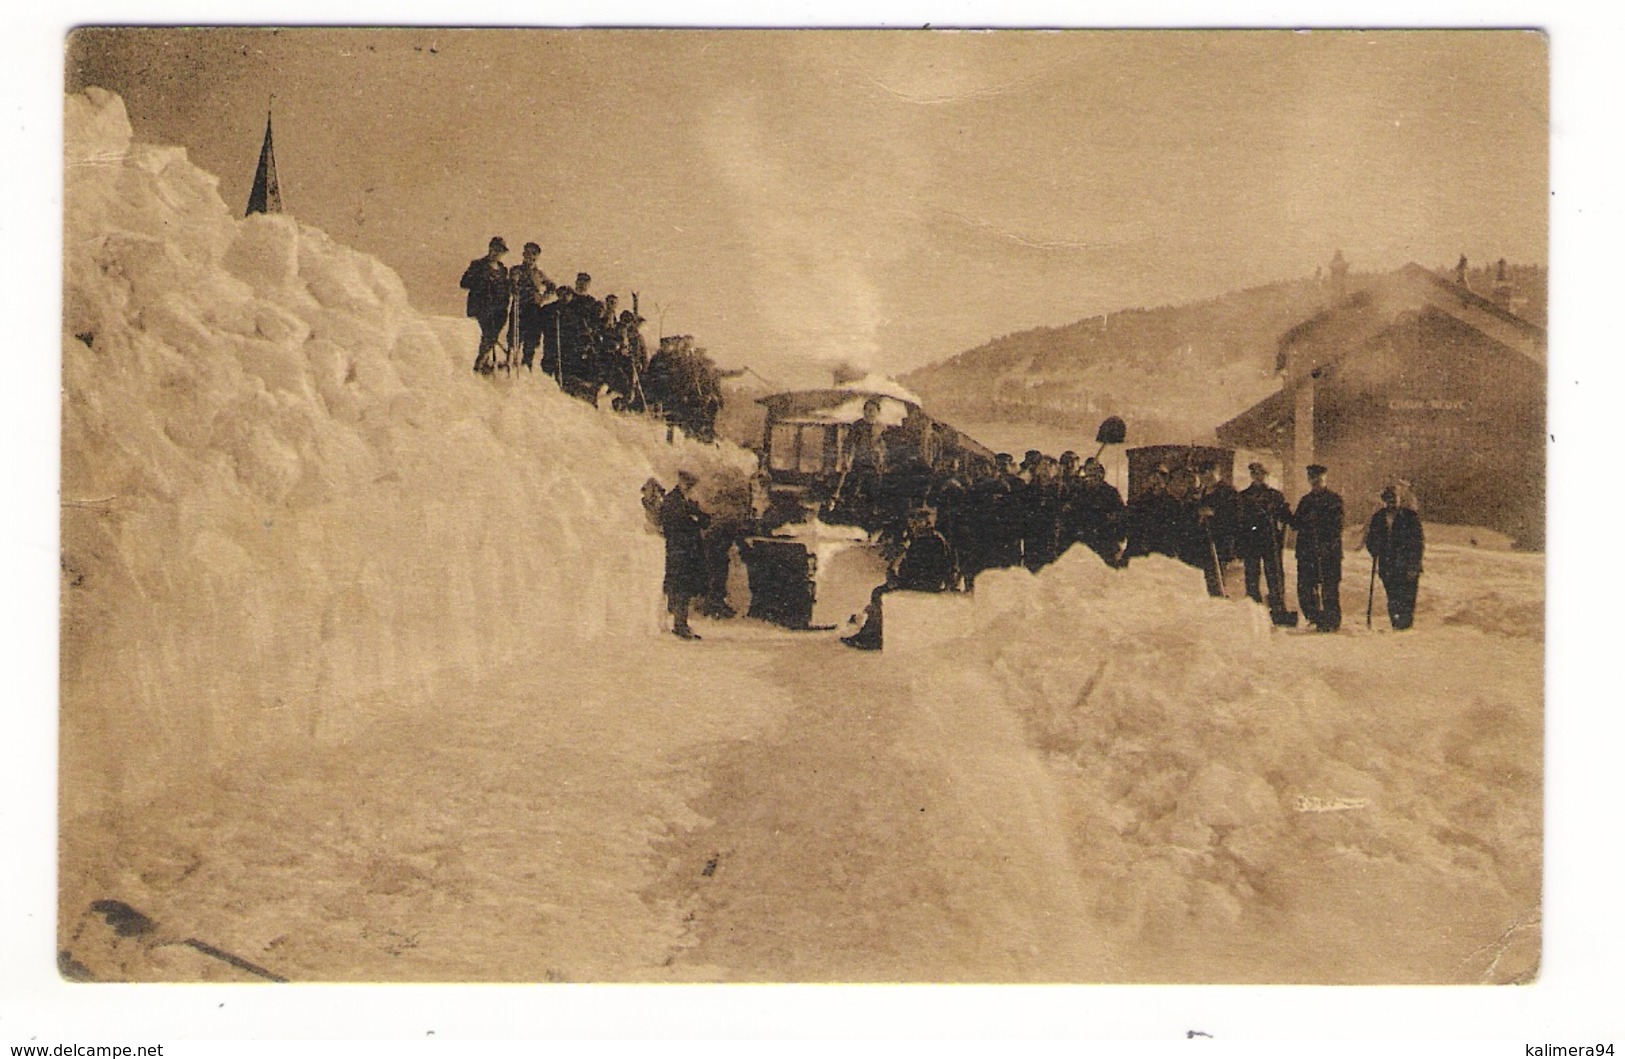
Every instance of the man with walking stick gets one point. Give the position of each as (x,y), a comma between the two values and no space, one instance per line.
(1394,539)
(1319,521)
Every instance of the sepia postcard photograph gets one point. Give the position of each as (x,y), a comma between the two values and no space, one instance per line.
(803,506)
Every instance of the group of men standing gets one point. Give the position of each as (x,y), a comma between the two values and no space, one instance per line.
(964,523)
(589,346)
(1027,515)
(1214,524)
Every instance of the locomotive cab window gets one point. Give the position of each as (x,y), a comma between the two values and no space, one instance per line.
(812,449)
(783,447)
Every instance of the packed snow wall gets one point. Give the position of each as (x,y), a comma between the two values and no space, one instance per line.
(286,498)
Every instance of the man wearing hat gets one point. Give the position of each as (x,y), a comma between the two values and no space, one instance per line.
(683,524)
(1264,518)
(1394,539)
(530,290)
(1155,519)
(488,286)
(1319,522)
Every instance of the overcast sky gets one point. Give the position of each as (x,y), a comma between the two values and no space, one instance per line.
(796,199)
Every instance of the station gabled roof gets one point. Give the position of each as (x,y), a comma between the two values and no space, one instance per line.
(1334,332)
(1343,327)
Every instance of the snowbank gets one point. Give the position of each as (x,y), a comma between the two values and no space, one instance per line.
(1248,803)
(284,492)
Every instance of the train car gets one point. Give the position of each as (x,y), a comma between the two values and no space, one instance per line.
(841,462)
(817,442)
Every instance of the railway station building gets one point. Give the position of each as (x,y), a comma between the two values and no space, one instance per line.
(1415,377)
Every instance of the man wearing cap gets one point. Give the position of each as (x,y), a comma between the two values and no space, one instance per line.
(1041,515)
(550,319)
(530,290)
(1098,508)
(1394,539)
(1264,517)
(1004,514)
(926,565)
(683,524)
(1155,519)
(580,319)
(1029,464)
(1071,482)
(1218,514)
(1319,522)
(488,286)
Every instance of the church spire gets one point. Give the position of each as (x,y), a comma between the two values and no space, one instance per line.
(267,194)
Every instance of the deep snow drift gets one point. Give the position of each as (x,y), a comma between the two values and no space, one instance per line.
(363,678)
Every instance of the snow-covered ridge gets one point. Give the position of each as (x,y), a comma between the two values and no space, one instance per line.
(283,491)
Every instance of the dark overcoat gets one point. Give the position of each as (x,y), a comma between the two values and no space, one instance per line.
(683,524)
(1397,549)
(488,289)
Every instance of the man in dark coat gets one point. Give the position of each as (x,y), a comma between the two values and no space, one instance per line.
(926,565)
(683,524)
(580,317)
(1264,517)
(1319,522)
(1004,516)
(550,318)
(530,290)
(1097,514)
(1218,515)
(1156,519)
(948,496)
(486,280)
(1394,539)
(1041,500)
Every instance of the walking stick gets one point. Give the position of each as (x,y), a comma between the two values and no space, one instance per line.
(1371,592)
(513,334)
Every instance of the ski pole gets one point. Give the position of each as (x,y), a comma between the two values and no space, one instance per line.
(558,347)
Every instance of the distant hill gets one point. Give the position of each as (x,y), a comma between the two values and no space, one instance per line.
(1172,373)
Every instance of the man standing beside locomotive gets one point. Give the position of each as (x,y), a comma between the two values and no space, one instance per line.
(1319,522)
(683,524)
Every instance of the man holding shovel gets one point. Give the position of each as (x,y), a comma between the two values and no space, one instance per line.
(1218,512)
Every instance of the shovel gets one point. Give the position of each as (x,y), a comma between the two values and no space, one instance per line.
(1112,432)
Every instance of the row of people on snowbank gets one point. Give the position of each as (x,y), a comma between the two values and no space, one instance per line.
(591,348)
(1030,517)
